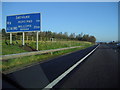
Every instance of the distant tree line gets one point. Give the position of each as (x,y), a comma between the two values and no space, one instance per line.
(47,35)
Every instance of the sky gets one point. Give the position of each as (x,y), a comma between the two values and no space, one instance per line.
(60,0)
(99,19)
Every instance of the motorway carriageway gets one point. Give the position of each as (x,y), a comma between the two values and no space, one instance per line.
(45,74)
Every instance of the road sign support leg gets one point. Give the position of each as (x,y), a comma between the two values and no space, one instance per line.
(37,41)
(23,42)
(10,38)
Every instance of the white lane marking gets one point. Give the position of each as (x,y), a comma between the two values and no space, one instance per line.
(54,82)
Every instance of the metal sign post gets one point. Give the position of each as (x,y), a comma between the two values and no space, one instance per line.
(23,43)
(37,41)
(10,38)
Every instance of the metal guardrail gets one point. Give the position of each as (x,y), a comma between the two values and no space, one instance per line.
(12,56)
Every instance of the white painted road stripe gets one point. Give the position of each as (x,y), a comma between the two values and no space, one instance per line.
(54,82)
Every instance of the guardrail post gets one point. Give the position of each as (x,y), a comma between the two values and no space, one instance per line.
(51,53)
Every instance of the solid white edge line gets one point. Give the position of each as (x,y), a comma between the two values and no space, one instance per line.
(54,82)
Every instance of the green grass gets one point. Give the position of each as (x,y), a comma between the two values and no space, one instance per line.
(43,45)
(17,63)
(46,45)
(11,49)
(14,64)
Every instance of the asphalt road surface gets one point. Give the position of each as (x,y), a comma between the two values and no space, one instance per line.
(99,70)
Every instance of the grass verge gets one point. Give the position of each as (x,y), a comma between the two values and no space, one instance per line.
(18,63)
(43,45)
(11,49)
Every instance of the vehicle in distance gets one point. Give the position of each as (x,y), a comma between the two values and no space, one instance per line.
(118,45)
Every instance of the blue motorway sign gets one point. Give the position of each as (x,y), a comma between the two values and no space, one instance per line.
(23,22)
